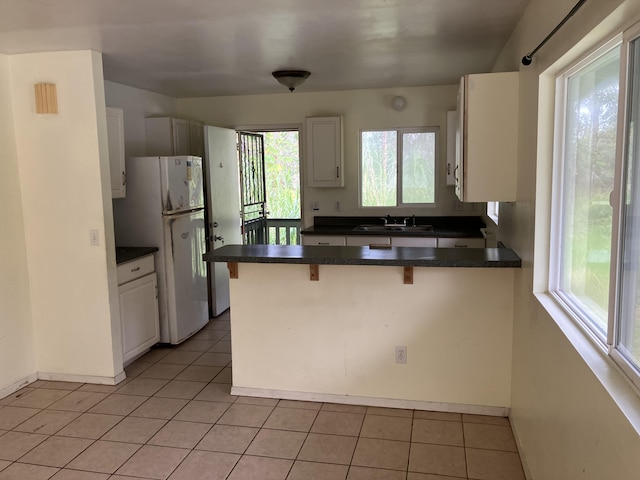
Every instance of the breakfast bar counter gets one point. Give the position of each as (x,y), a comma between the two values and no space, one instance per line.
(396,256)
(325,324)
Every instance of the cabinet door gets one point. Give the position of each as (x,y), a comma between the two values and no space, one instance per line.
(458,169)
(335,240)
(196,139)
(139,315)
(489,137)
(115,134)
(159,136)
(181,134)
(324,151)
(168,136)
(452,119)
(461,242)
(413,242)
(367,240)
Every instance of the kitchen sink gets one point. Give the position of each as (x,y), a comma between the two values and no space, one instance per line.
(393,228)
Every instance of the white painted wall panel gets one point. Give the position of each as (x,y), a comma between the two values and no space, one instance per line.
(17,355)
(65,186)
(338,335)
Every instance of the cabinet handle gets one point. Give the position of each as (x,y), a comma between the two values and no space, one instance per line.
(135,269)
(459,245)
(337,172)
(124,178)
(324,243)
(455,172)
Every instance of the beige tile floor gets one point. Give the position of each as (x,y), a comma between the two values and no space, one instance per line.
(173,417)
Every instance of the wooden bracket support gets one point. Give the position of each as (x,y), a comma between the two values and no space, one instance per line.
(408,275)
(314,273)
(233,269)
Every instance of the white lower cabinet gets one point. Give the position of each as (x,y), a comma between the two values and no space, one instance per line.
(333,240)
(367,240)
(413,242)
(461,242)
(138,291)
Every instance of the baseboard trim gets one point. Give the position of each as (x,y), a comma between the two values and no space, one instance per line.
(15,386)
(372,401)
(521,450)
(65,377)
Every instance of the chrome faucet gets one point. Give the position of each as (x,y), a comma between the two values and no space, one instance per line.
(413,221)
(390,222)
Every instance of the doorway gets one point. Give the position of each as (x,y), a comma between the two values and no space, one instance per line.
(279,170)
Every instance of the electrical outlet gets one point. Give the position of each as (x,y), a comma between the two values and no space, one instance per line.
(94,238)
(401,354)
(315,205)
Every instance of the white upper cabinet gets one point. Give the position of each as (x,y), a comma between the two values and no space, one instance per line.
(452,119)
(487,138)
(115,134)
(168,136)
(196,139)
(324,152)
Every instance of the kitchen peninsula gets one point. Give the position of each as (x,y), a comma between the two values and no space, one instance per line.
(323,323)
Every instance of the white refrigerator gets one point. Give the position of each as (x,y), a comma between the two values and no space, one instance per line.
(164,208)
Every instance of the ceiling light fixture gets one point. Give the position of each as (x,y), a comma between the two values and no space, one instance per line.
(291,78)
(398,103)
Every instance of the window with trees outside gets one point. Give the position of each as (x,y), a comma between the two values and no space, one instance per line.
(397,167)
(595,241)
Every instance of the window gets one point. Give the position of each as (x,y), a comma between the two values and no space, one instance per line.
(595,241)
(585,184)
(627,335)
(397,167)
(493,211)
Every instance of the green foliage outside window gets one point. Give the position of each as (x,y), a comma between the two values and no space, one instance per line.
(384,154)
(282,168)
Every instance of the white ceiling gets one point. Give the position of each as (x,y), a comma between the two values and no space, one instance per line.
(190,48)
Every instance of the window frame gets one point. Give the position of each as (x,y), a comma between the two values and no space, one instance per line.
(400,131)
(558,182)
(493,211)
(607,342)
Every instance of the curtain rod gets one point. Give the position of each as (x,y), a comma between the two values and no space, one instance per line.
(528,58)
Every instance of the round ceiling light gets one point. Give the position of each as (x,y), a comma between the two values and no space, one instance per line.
(398,103)
(291,78)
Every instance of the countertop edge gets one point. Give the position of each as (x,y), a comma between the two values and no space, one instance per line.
(435,233)
(396,256)
(128,254)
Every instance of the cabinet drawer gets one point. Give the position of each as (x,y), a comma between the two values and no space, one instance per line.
(367,240)
(413,242)
(461,242)
(337,240)
(135,269)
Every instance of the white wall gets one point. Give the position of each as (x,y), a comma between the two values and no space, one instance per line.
(337,336)
(64,181)
(569,426)
(361,109)
(137,104)
(17,356)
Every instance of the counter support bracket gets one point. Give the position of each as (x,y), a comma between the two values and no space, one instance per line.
(233,269)
(314,273)
(408,275)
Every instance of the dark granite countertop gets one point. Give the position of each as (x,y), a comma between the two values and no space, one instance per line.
(458,227)
(126,254)
(396,256)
